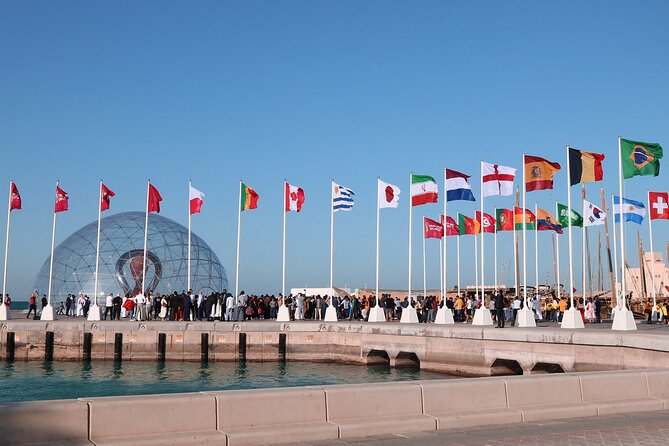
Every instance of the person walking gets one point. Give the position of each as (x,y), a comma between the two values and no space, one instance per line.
(33,306)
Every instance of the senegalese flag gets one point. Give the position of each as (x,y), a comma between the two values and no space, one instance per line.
(504,220)
(585,167)
(468,226)
(640,158)
(248,199)
(526,217)
(564,216)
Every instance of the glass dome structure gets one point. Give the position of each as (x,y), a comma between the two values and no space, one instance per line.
(121,259)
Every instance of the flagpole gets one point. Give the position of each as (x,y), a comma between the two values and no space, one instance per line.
(495,250)
(47,312)
(441,276)
(482,244)
(615,256)
(283,273)
(524,237)
(444,268)
(94,311)
(557,254)
(424,273)
(569,219)
(239,231)
(536,251)
(410,215)
(190,215)
(4,314)
(476,263)
(458,254)
(515,254)
(146,236)
(332,185)
(584,242)
(608,242)
(378,179)
(652,259)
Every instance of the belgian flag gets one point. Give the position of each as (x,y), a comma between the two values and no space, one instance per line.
(585,167)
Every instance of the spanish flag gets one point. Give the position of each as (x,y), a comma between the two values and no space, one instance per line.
(539,173)
(584,167)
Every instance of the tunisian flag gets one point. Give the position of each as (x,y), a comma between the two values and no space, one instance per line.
(15,201)
(61,200)
(196,199)
(154,199)
(105,193)
(294,198)
(432,229)
(488,223)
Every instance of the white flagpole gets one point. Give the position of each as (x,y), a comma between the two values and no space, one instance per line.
(444,268)
(48,311)
(458,255)
(424,273)
(4,277)
(190,215)
(332,186)
(615,254)
(536,250)
(652,259)
(482,244)
(583,243)
(495,249)
(557,252)
(239,231)
(571,258)
(94,311)
(283,273)
(146,237)
(441,275)
(476,263)
(410,215)
(515,254)
(378,204)
(524,237)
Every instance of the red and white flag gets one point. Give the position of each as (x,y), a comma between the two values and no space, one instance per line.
(659,205)
(196,199)
(389,195)
(294,198)
(497,180)
(61,200)
(432,229)
(106,193)
(154,199)
(488,223)
(451,226)
(15,201)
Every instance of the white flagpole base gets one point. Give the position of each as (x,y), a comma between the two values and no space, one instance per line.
(284,314)
(94,313)
(525,318)
(572,319)
(623,319)
(409,315)
(4,314)
(47,313)
(376,314)
(444,316)
(482,316)
(330,314)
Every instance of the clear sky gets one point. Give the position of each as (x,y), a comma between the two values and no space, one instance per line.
(309,91)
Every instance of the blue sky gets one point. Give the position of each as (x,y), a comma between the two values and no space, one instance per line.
(309,91)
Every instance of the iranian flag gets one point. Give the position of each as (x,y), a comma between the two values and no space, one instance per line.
(423,190)
(196,199)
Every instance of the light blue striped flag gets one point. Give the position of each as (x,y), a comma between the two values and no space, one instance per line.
(342,198)
(632,210)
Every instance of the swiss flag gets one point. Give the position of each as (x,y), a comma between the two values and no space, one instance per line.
(61,200)
(488,223)
(15,201)
(154,199)
(659,205)
(105,194)
(294,198)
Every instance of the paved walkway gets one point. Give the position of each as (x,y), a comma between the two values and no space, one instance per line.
(648,428)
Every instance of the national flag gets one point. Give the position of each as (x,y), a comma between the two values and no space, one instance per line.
(564,216)
(457,186)
(388,194)
(432,229)
(527,217)
(196,199)
(15,200)
(61,200)
(249,199)
(659,205)
(468,226)
(546,222)
(423,190)
(342,198)
(539,173)
(497,180)
(294,198)
(585,167)
(632,210)
(105,195)
(640,158)
(451,227)
(154,199)
(592,215)
(504,220)
(488,222)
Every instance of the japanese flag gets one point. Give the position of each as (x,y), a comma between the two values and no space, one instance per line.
(389,195)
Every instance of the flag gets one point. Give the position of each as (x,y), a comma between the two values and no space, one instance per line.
(592,215)
(546,222)
(61,200)
(389,195)
(632,210)
(423,190)
(15,201)
(249,199)
(106,193)
(468,226)
(564,216)
(504,220)
(451,227)
(196,199)
(539,173)
(640,158)
(585,167)
(154,199)
(659,205)
(342,198)
(528,218)
(294,198)
(432,229)
(457,186)
(488,223)
(497,180)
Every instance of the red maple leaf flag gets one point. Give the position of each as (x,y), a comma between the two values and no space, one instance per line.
(15,200)
(105,194)
(658,205)
(61,200)
(154,199)
(294,198)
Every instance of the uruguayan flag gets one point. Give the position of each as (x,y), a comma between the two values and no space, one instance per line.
(342,198)
(632,210)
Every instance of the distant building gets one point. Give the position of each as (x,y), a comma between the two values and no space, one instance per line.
(635,284)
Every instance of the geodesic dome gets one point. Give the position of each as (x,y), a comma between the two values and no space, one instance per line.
(121,259)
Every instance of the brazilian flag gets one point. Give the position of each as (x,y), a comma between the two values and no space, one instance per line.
(640,158)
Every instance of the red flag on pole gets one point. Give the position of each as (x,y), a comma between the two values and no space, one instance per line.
(659,205)
(154,199)
(432,229)
(61,200)
(15,202)
(488,223)
(106,194)
(450,226)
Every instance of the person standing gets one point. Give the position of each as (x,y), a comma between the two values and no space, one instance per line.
(515,306)
(108,306)
(33,305)
(163,308)
(598,310)
(116,307)
(140,302)
(499,309)
(230,307)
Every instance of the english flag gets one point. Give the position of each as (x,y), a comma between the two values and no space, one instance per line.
(154,199)
(389,195)
(432,229)
(488,223)
(15,201)
(497,180)
(294,198)
(196,199)
(106,194)
(658,205)
(61,200)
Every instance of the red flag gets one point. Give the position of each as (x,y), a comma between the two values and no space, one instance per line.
(294,198)
(659,205)
(106,194)
(432,229)
(61,200)
(451,226)
(154,199)
(15,201)
(488,223)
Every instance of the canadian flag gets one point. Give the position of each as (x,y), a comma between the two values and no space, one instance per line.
(196,199)
(659,205)
(294,198)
